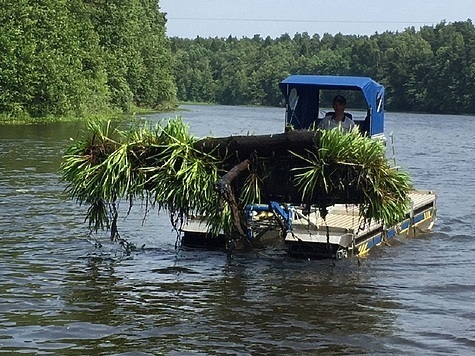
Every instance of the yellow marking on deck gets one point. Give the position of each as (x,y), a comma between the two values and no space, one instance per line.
(427,216)
(363,249)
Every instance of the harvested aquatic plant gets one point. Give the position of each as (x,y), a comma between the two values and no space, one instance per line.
(354,168)
(156,164)
(215,178)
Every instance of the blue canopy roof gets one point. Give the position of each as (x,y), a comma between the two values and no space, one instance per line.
(330,81)
(373,93)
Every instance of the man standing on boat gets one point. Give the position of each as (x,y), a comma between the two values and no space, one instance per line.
(339,118)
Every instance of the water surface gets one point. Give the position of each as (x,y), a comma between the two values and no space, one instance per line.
(62,294)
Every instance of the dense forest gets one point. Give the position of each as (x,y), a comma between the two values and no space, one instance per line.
(429,70)
(83,57)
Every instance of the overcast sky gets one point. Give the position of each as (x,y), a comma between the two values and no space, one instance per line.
(245,18)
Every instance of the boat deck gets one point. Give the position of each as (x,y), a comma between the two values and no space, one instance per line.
(343,226)
(342,232)
(345,218)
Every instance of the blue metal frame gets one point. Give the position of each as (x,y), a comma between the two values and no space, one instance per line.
(285,214)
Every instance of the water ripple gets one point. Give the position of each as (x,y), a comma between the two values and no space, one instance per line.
(63,293)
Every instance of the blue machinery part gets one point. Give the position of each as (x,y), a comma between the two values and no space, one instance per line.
(282,214)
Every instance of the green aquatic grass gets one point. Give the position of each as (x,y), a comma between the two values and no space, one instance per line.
(158,165)
(351,160)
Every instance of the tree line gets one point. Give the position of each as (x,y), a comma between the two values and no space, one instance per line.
(429,70)
(82,57)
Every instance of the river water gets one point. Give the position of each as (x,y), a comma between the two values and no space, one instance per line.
(62,293)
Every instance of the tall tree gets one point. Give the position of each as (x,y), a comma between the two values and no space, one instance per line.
(41,59)
(78,57)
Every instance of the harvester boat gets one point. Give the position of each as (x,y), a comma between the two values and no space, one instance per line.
(337,231)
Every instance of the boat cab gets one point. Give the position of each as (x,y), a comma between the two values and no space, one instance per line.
(306,95)
(340,233)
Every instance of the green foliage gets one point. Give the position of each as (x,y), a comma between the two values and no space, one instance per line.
(156,164)
(160,166)
(430,70)
(344,161)
(80,58)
